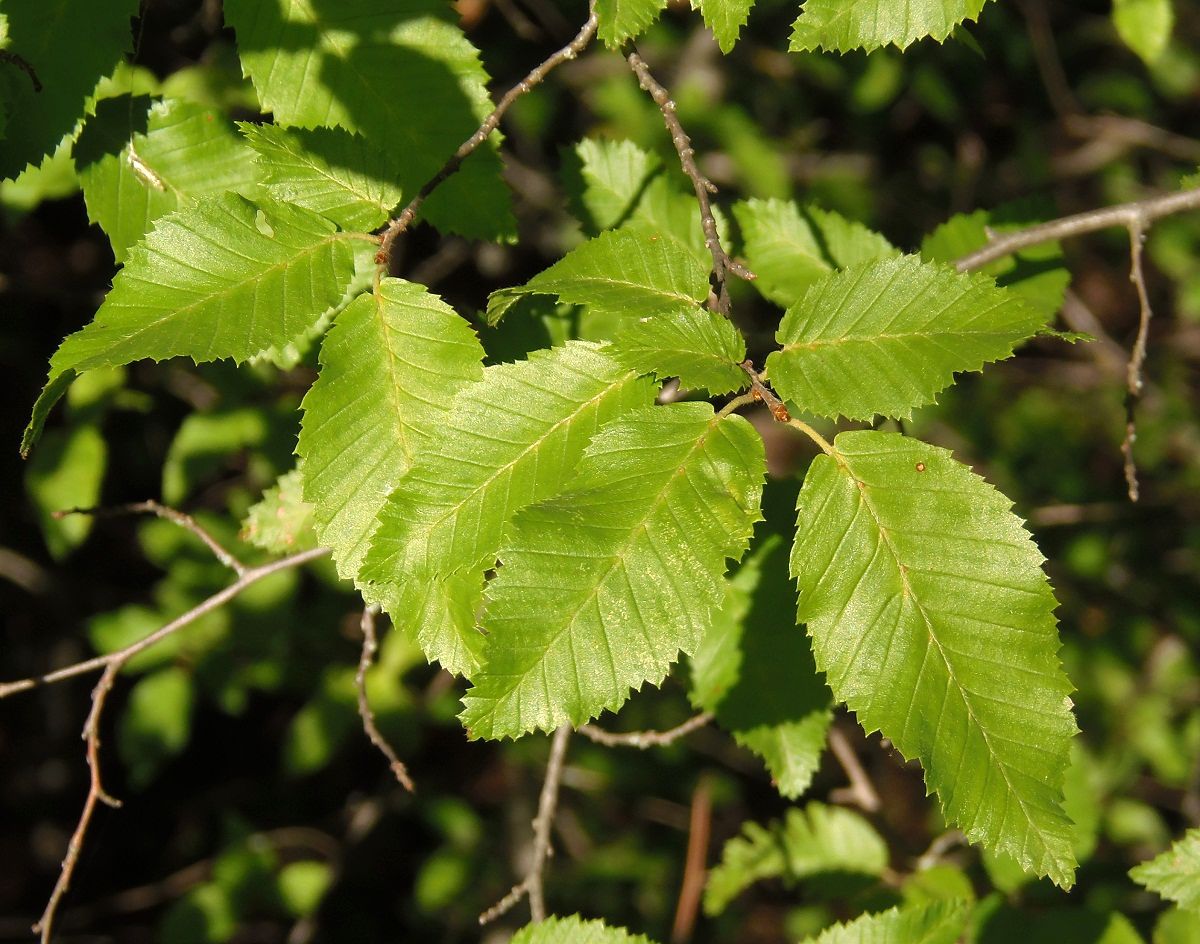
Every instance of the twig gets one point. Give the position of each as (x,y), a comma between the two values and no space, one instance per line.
(722,264)
(1138,213)
(535,77)
(531,884)
(861,792)
(645,739)
(369,647)
(185,521)
(20,62)
(1137,357)
(760,391)
(217,600)
(699,830)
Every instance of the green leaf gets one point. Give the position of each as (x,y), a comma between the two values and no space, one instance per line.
(889,336)
(699,347)
(843,25)
(389,367)
(812,841)
(281,521)
(156,723)
(510,440)
(790,247)
(326,170)
(621,20)
(725,18)
(625,567)
(139,160)
(755,672)
(399,73)
(614,176)
(635,271)
(1145,26)
(932,619)
(574,930)
(303,884)
(222,278)
(67,473)
(940,922)
(1175,874)
(70,45)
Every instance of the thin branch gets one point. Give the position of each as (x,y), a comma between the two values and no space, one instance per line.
(1138,213)
(120,657)
(20,62)
(531,884)
(370,646)
(861,791)
(722,264)
(760,391)
(645,739)
(185,521)
(692,887)
(535,77)
(1137,357)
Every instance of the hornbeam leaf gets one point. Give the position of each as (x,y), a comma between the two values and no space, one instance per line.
(281,521)
(1176,873)
(888,336)
(939,922)
(621,20)
(327,170)
(574,930)
(222,278)
(843,25)
(602,586)
(635,270)
(932,619)
(389,367)
(725,18)
(699,347)
(613,175)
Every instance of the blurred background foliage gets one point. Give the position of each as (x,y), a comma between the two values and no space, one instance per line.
(255,808)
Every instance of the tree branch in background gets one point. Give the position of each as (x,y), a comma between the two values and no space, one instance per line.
(645,739)
(722,264)
(1137,357)
(370,646)
(694,869)
(535,77)
(531,884)
(861,791)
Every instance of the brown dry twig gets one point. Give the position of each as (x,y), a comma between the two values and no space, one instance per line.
(1137,357)
(645,739)
(370,646)
(861,791)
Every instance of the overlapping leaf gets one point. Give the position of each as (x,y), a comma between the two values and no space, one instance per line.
(933,621)
(614,176)
(699,347)
(725,18)
(939,922)
(389,367)
(789,247)
(222,278)
(327,170)
(601,587)
(575,930)
(401,74)
(843,25)
(1176,873)
(621,20)
(888,336)
(281,521)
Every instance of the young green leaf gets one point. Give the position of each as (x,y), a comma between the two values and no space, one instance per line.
(843,25)
(574,930)
(888,336)
(635,271)
(1145,26)
(725,18)
(621,20)
(601,587)
(139,160)
(400,74)
(1176,873)
(389,367)
(932,619)
(222,278)
(811,841)
(789,247)
(939,922)
(327,170)
(699,347)
(614,175)
(281,521)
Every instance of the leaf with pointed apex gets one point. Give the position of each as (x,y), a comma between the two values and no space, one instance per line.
(1175,875)
(139,160)
(789,247)
(327,170)
(888,336)
(938,922)
(222,278)
(725,18)
(699,347)
(932,619)
(398,72)
(815,840)
(635,271)
(389,367)
(575,930)
(755,672)
(612,176)
(281,521)
(1145,26)
(621,20)
(601,587)
(843,25)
